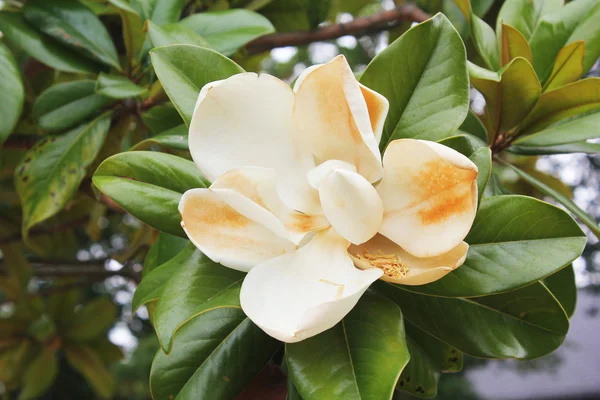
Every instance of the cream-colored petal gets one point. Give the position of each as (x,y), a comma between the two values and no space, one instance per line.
(246,120)
(317,174)
(258,184)
(332,118)
(304,293)
(402,267)
(429,194)
(378,107)
(351,204)
(230,229)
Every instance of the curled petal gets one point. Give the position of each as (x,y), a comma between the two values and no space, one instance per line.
(401,267)
(303,293)
(231,229)
(332,118)
(318,174)
(246,120)
(378,107)
(259,185)
(351,204)
(429,194)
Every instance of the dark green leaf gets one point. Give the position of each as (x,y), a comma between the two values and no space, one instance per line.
(174,34)
(576,147)
(515,240)
(429,99)
(11,92)
(21,35)
(92,320)
(162,118)
(184,69)
(175,139)
(473,126)
(117,87)
(216,355)
(133,31)
(75,26)
(149,185)
(67,104)
(526,323)
(562,286)
(227,31)
(164,248)
(360,358)
(160,11)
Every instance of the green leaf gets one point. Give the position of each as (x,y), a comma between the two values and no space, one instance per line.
(174,34)
(575,147)
(525,324)
(562,285)
(153,283)
(161,118)
(577,20)
(514,241)
(92,320)
(216,355)
(360,358)
(67,104)
(197,286)
(12,93)
(164,248)
(485,42)
(18,271)
(512,45)
(52,170)
(149,185)
(14,360)
(160,11)
(174,139)
(562,199)
(133,31)
(39,375)
(509,94)
(568,66)
(75,26)
(228,31)
(89,364)
(429,357)
(184,69)
(117,87)
(524,15)
(473,126)
(430,99)
(570,131)
(20,35)
(567,101)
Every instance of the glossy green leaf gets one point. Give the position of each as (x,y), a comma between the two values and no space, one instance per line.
(174,139)
(515,241)
(512,45)
(562,199)
(133,28)
(39,375)
(473,126)
(164,248)
(12,92)
(52,170)
(117,87)
(526,323)
(92,320)
(174,34)
(160,11)
(495,187)
(562,285)
(149,185)
(162,118)
(75,26)
(360,358)
(485,42)
(153,283)
(184,69)
(577,20)
(509,94)
(429,357)
(23,36)
(576,147)
(215,356)
(89,364)
(567,101)
(568,66)
(524,15)
(430,99)
(67,104)
(227,31)
(197,286)
(573,130)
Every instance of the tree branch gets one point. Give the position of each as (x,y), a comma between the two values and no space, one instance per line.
(360,26)
(92,271)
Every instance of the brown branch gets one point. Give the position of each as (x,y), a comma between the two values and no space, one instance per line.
(47,230)
(360,26)
(90,271)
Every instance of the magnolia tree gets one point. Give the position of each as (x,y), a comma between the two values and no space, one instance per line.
(351,229)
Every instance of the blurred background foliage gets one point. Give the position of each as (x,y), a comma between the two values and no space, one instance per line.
(70,265)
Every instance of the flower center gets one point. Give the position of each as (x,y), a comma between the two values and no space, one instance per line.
(391,264)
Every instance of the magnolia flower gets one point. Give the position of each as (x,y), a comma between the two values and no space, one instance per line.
(302,201)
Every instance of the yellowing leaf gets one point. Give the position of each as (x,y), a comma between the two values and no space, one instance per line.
(568,66)
(513,45)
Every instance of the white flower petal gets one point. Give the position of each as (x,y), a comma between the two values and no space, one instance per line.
(231,229)
(378,107)
(259,185)
(317,174)
(351,204)
(332,118)
(246,120)
(416,271)
(304,293)
(429,195)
